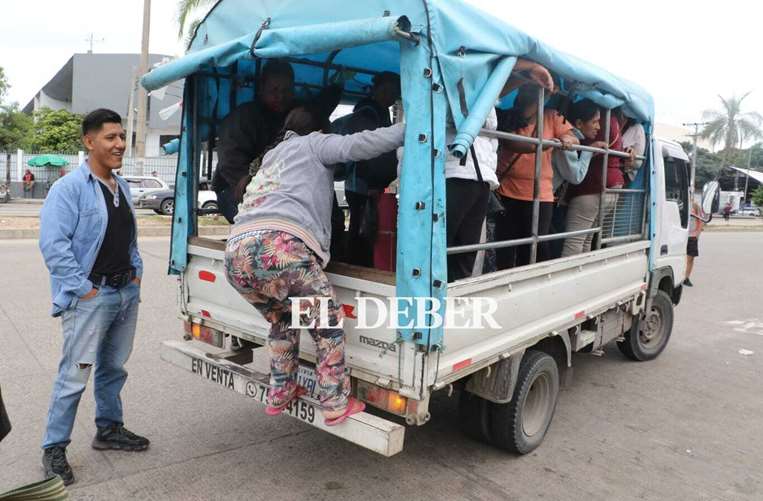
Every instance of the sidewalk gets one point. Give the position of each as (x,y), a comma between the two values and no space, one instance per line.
(26,201)
(28,227)
(739,223)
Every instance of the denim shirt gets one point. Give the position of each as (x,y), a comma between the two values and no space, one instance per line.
(73,223)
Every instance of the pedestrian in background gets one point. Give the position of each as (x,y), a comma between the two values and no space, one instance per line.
(28,181)
(727,212)
(88,239)
(696,226)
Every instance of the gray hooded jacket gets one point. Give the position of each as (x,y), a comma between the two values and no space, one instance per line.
(294,188)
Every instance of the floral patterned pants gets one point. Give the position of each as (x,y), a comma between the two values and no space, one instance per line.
(268,268)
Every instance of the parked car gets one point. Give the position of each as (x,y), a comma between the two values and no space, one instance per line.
(749,211)
(141,186)
(163,201)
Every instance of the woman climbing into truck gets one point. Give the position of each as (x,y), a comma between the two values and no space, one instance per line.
(280,244)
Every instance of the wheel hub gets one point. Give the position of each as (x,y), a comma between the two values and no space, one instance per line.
(652,327)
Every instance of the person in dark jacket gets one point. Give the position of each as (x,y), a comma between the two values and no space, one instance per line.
(365,180)
(250,128)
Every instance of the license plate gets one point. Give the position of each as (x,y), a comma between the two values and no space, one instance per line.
(252,388)
(300,409)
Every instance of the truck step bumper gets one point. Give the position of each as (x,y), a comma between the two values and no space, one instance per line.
(372,432)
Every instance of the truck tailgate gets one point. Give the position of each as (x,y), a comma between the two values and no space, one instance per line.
(371,354)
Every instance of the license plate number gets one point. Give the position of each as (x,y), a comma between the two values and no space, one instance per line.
(299,409)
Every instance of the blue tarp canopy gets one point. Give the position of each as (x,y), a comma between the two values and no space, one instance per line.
(469,45)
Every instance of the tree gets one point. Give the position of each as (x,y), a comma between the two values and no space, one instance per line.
(14,128)
(4,85)
(731,126)
(185,9)
(757,196)
(57,131)
(708,164)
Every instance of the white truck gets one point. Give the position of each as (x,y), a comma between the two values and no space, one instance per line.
(508,375)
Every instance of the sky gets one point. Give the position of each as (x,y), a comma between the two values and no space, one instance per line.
(684,53)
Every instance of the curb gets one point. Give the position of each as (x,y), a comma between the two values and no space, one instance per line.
(146,231)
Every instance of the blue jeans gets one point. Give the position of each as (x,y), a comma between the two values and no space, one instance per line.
(98,332)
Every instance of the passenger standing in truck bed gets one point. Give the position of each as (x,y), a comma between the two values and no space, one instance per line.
(516,173)
(251,127)
(280,244)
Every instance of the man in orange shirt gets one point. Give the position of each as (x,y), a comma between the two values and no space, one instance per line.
(516,173)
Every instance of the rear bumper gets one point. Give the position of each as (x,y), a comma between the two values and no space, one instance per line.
(372,432)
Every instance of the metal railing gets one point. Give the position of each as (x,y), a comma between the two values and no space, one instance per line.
(622,212)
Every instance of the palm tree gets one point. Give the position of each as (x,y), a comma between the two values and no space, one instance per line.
(185,8)
(731,126)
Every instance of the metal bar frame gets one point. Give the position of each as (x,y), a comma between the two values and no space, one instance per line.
(536,181)
(624,238)
(535,239)
(550,142)
(604,166)
(516,243)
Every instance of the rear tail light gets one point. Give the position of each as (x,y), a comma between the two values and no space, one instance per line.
(381,398)
(203,333)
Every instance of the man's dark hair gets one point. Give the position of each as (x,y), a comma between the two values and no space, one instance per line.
(94,120)
(276,67)
(386,77)
(583,110)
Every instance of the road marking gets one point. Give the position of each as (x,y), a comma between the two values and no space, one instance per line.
(750,326)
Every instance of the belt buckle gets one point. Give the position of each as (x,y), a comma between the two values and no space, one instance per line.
(116,280)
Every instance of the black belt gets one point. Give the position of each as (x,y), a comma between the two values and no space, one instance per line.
(115,280)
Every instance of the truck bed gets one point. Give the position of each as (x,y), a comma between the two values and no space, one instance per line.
(533,301)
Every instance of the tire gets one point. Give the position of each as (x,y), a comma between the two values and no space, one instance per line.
(474,416)
(521,424)
(650,335)
(167,207)
(210,205)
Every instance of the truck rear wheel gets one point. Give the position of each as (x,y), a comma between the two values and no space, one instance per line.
(521,424)
(648,337)
(474,416)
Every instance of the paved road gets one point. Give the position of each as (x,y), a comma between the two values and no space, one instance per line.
(688,426)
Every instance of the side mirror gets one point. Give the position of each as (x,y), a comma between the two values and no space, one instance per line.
(711,199)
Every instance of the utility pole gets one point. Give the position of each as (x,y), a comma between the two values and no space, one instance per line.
(747,175)
(131,112)
(694,136)
(140,136)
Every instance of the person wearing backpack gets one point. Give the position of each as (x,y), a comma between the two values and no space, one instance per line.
(365,180)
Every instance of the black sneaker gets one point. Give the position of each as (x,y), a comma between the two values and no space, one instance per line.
(688,283)
(55,463)
(120,438)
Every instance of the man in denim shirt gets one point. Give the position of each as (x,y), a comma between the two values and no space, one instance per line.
(88,238)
